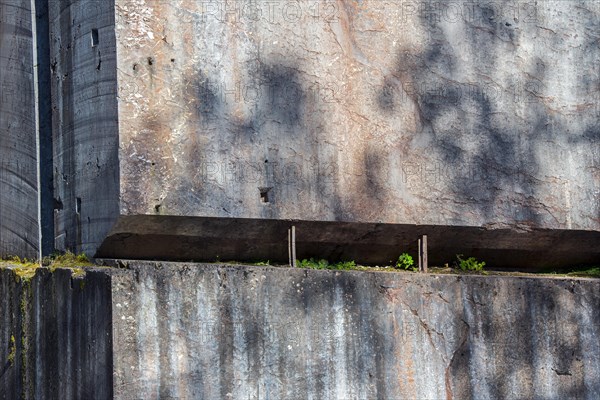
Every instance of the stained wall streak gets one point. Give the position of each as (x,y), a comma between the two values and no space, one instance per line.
(55,337)
(18,153)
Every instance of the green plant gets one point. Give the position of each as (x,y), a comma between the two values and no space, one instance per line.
(469,264)
(593,272)
(343,265)
(406,262)
(324,264)
(263,263)
(312,263)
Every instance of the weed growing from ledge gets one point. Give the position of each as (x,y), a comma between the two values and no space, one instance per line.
(324,264)
(69,260)
(593,272)
(470,264)
(406,262)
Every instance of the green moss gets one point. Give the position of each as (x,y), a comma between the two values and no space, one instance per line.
(12,351)
(593,272)
(68,260)
(26,296)
(24,269)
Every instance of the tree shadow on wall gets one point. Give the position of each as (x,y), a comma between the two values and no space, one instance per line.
(488,134)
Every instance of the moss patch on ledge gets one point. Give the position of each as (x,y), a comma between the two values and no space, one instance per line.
(26,269)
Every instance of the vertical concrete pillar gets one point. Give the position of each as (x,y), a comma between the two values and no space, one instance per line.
(19,229)
(84,122)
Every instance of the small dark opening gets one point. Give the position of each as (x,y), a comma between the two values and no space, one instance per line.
(157,208)
(264,194)
(172,60)
(58,204)
(78,206)
(150,61)
(95,38)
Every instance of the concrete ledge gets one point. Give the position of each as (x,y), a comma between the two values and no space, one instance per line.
(210,239)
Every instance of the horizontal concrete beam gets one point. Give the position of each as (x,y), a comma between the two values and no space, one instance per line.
(210,239)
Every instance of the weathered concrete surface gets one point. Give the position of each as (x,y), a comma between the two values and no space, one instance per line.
(197,331)
(216,332)
(85,139)
(398,112)
(18,153)
(55,336)
(482,115)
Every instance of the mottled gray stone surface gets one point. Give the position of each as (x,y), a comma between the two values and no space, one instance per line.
(217,332)
(18,159)
(482,116)
(477,114)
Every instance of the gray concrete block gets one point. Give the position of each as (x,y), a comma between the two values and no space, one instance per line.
(85,129)
(55,336)
(18,152)
(207,331)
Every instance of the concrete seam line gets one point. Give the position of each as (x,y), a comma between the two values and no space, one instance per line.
(37,124)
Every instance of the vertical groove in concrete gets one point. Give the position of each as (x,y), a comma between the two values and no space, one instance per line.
(18,161)
(44,126)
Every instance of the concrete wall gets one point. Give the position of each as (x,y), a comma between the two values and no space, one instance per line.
(85,139)
(55,336)
(183,331)
(483,114)
(392,117)
(18,161)
(208,332)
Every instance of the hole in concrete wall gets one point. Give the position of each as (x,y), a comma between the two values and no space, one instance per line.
(150,61)
(157,208)
(264,194)
(172,60)
(78,206)
(135,67)
(95,38)
(58,204)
